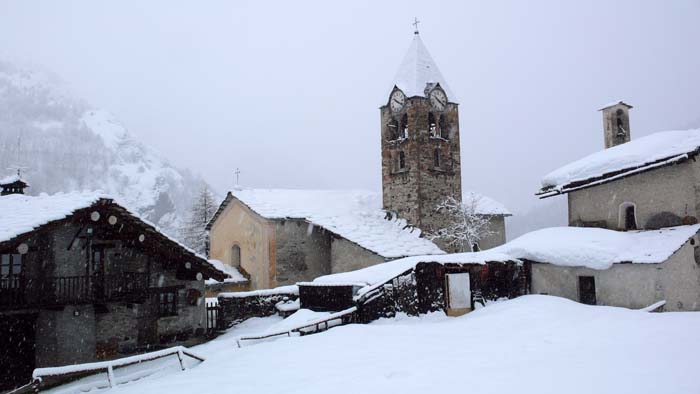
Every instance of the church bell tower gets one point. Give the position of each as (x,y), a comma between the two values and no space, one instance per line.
(420,142)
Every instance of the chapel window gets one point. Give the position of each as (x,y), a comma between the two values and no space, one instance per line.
(402,160)
(236,256)
(436,158)
(628,216)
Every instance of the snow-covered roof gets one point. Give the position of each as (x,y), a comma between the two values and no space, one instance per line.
(352,214)
(613,103)
(653,151)
(418,69)
(485,205)
(22,214)
(383,272)
(282,290)
(564,246)
(597,248)
(12,179)
(234,275)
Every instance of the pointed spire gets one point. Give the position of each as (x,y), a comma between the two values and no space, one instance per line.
(418,69)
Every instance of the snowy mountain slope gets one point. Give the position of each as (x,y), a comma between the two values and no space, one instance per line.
(68,145)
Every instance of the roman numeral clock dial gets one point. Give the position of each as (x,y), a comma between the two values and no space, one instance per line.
(397,101)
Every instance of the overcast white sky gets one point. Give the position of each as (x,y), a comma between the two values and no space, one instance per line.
(289,91)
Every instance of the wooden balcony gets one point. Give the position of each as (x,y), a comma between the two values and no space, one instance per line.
(21,293)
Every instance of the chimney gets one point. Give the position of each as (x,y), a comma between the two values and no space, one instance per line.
(616,123)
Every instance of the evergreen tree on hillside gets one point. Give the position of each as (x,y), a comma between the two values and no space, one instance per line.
(194,233)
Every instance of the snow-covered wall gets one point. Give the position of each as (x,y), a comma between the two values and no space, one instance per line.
(629,285)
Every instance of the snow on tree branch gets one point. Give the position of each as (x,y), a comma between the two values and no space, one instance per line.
(466,227)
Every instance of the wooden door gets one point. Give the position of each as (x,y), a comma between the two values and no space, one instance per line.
(17,350)
(459,294)
(586,290)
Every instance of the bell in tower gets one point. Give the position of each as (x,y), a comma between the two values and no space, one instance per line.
(420,142)
(616,123)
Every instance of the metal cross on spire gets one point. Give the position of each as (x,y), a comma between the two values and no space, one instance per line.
(415,25)
(237,172)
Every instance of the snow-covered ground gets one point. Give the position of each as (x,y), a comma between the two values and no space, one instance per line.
(533,344)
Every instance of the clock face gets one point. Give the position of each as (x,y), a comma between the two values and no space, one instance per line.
(397,101)
(438,99)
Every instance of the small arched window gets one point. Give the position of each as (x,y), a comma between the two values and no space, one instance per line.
(436,158)
(444,130)
(236,256)
(393,129)
(404,126)
(402,160)
(620,124)
(432,125)
(628,216)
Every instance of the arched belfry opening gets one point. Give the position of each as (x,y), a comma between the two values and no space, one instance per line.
(444,128)
(403,128)
(421,167)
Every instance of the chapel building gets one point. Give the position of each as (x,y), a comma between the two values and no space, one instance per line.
(280,237)
(633,209)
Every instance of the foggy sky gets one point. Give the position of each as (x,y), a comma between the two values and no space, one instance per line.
(289,91)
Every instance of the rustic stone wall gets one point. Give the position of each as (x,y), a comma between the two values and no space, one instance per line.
(673,189)
(415,191)
(237,309)
(65,336)
(303,252)
(349,256)
(497,224)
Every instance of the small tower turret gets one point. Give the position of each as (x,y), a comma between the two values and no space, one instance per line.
(616,123)
(13,184)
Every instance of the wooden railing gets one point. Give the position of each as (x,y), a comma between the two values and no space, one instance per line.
(335,319)
(44,378)
(17,292)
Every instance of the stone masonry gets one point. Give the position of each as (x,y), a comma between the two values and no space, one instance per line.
(414,191)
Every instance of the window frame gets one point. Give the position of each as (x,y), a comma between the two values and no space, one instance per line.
(168,306)
(11,265)
(402,161)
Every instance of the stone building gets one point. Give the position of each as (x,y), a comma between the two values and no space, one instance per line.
(281,237)
(420,145)
(83,279)
(637,186)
